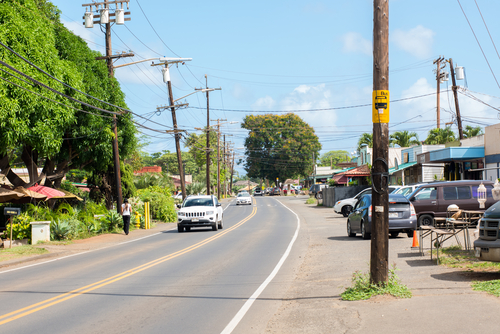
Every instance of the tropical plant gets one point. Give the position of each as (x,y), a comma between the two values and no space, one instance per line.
(161,203)
(60,230)
(440,136)
(112,221)
(470,131)
(195,188)
(404,138)
(365,139)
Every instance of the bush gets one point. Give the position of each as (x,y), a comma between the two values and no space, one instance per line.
(161,203)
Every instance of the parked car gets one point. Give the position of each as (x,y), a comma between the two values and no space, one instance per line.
(258,192)
(432,200)
(276,191)
(408,189)
(345,206)
(402,217)
(243,198)
(316,188)
(487,247)
(199,211)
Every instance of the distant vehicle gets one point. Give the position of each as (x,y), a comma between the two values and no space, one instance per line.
(408,189)
(316,188)
(258,192)
(200,211)
(487,247)
(243,198)
(178,196)
(345,206)
(402,217)
(276,191)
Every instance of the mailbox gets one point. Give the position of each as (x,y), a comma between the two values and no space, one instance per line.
(11,211)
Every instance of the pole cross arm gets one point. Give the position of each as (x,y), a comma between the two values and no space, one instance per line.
(173,106)
(176,131)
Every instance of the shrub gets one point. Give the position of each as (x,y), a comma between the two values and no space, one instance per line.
(112,221)
(162,204)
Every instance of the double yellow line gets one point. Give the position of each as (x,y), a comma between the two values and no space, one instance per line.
(75,293)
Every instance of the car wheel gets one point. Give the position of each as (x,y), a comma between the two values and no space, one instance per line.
(425,220)
(221,224)
(394,234)
(365,235)
(214,226)
(346,210)
(349,230)
(180,228)
(410,234)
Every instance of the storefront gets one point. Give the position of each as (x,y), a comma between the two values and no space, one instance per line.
(459,161)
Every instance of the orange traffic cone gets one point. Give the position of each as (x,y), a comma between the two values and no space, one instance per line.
(415,240)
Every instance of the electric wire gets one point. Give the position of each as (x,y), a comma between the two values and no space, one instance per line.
(491,38)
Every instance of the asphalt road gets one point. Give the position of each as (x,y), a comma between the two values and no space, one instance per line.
(170,282)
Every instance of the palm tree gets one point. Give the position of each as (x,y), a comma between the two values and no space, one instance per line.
(366,138)
(404,138)
(472,131)
(440,136)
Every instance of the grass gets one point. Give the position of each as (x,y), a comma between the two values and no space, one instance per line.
(491,287)
(362,288)
(20,251)
(56,243)
(311,200)
(456,257)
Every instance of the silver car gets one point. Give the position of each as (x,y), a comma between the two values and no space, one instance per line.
(243,198)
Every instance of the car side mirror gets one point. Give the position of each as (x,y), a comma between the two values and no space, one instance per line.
(218,204)
(412,199)
(178,206)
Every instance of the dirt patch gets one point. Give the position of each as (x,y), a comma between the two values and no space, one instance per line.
(382,298)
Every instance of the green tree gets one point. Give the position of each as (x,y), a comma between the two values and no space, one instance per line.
(440,136)
(365,139)
(41,132)
(197,148)
(404,138)
(333,158)
(279,146)
(470,131)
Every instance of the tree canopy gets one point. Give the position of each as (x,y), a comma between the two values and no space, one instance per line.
(470,131)
(58,134)
(440,136)
(333,158)
(365,139)
(404,138)
(279,146)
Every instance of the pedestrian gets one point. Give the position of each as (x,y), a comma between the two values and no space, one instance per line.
(126,210)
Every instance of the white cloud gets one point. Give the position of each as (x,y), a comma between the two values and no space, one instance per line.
(354,42)
(264,103)
(417,41)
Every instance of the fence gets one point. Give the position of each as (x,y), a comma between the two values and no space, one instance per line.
(333,194)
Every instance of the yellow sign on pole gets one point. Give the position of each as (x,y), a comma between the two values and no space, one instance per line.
(380,106)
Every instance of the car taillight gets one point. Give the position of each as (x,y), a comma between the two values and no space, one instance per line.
(412,210)
(370,211)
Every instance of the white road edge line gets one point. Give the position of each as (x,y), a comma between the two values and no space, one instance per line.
(93,250)
(244,309)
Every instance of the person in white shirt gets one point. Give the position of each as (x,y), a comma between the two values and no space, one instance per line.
(126,210)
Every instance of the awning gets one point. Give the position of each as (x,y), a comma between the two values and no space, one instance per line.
(401,167)
(7,195)
(47,191)
(340,179)
(457,154)
(67,195)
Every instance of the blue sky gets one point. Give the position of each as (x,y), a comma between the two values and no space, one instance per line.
(299,56)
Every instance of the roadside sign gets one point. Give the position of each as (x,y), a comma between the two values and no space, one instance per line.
(380,106)
(11,211)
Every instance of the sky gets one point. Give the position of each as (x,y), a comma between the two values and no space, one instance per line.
(313,58)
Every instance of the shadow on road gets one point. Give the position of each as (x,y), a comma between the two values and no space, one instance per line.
(467,276)
(346,238)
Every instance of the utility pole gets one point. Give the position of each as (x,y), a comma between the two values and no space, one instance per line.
(208,90)
(104,19)
(438,79)
(455,93)
(314,172)
(232,171)
(218,155)
(173,106)
(224,161)
(379,256)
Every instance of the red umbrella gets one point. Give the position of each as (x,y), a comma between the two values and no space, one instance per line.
(47,191)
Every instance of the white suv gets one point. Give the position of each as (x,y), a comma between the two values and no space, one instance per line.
(199,211)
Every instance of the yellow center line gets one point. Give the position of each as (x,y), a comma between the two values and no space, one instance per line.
(91,287)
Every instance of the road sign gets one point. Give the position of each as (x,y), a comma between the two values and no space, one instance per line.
(380,106)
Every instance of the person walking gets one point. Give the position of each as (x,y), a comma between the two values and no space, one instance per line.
(126,210)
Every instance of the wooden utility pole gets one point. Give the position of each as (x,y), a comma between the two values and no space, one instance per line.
(218,155)
(455,93)
(379,257)
(232,172)
(438,90)
(177,136)
(224,162)
(109,60)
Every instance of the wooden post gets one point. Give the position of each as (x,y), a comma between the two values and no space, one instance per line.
(379,257)
(457,108)
(208,138)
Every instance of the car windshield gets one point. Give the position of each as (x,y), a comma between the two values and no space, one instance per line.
(198,202)
(243,195)
(404,191)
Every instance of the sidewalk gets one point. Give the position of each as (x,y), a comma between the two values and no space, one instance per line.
(442,302)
